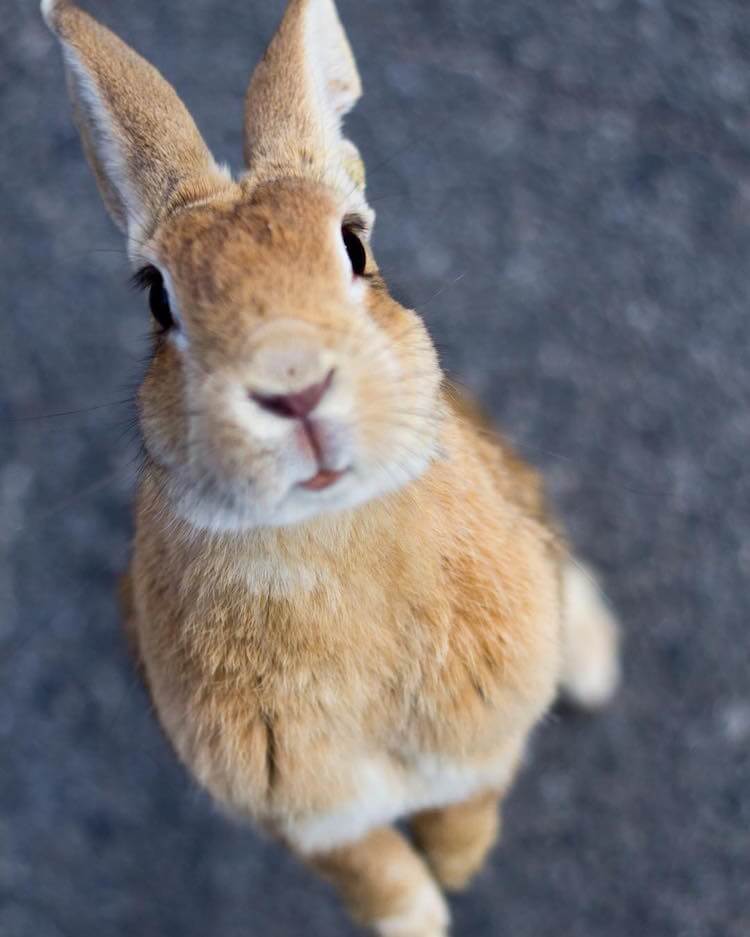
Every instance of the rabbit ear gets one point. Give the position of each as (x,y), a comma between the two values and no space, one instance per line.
(305,84)
(144,148)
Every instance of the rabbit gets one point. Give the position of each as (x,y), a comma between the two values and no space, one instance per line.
(347,596)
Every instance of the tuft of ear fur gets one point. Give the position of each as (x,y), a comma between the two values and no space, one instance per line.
(305,84)
(143,146)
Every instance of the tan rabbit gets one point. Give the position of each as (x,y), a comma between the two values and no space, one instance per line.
(347,599)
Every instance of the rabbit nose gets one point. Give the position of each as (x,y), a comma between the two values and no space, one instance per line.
(297,405)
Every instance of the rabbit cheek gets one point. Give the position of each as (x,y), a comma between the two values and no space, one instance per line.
(397,435)
(229,462)
(262,471)
(162,413)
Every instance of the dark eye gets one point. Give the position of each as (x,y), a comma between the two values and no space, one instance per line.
(355,249)
(150,279)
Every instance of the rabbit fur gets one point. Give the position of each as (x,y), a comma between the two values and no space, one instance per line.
(350,613)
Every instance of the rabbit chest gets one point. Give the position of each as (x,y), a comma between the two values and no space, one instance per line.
(321,732)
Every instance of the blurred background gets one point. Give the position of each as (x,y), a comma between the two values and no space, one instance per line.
(563,189)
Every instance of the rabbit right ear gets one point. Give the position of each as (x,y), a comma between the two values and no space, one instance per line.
(305,84)
(143,146)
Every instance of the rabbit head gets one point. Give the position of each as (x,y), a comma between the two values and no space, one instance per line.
(285,382)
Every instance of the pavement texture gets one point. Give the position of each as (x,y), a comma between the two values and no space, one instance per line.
(564,190)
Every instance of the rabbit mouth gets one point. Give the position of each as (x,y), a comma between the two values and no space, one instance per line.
(316,438)
(325,478)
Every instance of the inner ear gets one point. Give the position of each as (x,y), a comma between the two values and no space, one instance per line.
(327,42)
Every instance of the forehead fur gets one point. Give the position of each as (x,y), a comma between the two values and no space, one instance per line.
(261,244)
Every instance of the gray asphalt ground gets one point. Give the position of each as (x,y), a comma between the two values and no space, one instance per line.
(564,189)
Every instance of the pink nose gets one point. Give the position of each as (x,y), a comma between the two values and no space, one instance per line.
(297,405)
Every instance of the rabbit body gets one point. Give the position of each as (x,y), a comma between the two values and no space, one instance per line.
(331,677)
(346,596)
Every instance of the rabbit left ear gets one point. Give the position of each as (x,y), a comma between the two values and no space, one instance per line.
(143,146)
(305,84)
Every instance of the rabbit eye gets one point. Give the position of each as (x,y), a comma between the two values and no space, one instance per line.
(158,301)
(355,249)
(150,279)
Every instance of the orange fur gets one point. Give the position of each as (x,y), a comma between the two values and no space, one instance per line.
(324,661)
(456,839)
